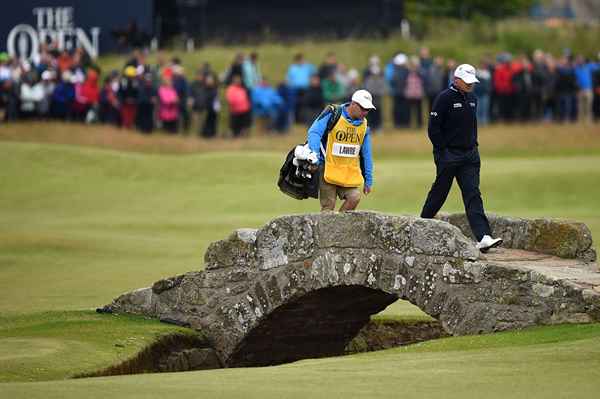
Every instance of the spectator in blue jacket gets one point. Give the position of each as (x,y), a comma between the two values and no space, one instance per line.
(585,95)
(251,74)
(63,96)
(298,80)
(182,88)
(266,103)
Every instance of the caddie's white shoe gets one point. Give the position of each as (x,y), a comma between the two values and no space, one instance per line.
(488,243)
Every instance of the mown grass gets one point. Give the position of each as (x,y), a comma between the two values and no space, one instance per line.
(82,225)
(58,345)
(549,362)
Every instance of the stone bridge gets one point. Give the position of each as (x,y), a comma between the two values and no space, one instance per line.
(303,286)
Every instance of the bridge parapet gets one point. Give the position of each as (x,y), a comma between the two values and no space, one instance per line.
(565,239)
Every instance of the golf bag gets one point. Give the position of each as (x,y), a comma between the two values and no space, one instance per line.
(298,181)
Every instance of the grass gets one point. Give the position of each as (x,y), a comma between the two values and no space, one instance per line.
(58,345)
(540,140)
(82,224)
(550,362)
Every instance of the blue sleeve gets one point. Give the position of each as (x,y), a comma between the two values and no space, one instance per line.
(388,72)
(315,134)
(368,159)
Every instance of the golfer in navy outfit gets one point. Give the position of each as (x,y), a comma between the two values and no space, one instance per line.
(453,133)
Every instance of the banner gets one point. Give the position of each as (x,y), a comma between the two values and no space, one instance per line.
(95,25)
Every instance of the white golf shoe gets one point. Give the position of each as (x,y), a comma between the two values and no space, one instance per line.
(488,243)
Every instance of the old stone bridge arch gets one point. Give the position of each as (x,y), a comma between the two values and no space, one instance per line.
(303,286)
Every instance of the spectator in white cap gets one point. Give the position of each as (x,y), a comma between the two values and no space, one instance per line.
(453,133)
(48,85)
(342,139)
(397,81)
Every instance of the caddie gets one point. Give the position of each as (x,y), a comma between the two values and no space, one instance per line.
(341,136)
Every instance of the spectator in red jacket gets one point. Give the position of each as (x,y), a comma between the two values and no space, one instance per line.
(503,89)
(87,95)
(239,106)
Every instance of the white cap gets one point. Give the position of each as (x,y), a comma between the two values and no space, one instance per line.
(66,76)
(363,98)
(177,69)
(466,73)
(47,75)
(400,59)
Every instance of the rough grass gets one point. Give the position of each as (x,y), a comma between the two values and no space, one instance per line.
(497,140)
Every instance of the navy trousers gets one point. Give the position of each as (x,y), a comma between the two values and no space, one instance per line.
(464,166)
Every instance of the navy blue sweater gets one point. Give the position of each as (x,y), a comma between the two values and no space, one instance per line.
(453,121)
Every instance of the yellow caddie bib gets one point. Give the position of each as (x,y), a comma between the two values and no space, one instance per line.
(342,156)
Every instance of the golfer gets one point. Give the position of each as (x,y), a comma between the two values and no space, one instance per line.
(453,133)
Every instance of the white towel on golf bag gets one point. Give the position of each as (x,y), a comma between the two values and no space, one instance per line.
(303,153)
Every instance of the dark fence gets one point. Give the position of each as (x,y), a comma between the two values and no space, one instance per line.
(234,21)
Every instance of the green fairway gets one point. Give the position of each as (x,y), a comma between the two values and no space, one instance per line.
(57,345)
(550,362)
(82,225)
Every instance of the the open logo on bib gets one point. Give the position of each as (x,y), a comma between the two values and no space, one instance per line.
(345,150)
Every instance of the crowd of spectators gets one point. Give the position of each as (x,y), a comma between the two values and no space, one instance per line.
(67,85)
